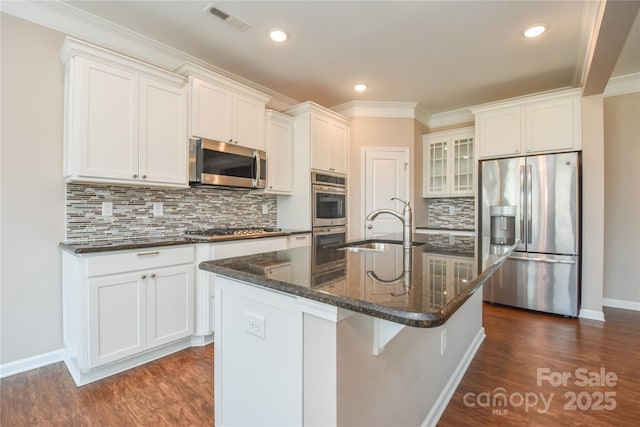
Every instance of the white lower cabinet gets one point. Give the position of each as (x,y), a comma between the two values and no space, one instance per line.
(125,308)
(205,283)
(298,240)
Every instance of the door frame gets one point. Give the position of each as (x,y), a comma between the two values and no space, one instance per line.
(363,175)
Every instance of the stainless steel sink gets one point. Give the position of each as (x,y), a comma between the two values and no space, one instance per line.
(373,246)
(367,247)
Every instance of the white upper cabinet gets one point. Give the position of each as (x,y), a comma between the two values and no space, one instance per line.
(328,136)
(210,111)
(124,120)
(448,163)
(279,148)
(531,125)
(224,110)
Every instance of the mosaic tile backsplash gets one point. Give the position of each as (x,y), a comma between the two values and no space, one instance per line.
(440,215)
(188,208)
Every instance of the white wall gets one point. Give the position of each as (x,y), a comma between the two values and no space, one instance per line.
(32,190)
(622,198)
(374,132)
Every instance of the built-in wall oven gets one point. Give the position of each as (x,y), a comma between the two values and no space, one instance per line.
(326,261)
(329,199)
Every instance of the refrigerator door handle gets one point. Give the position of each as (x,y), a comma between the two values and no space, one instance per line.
(522,207)
(529,204)
(547,260)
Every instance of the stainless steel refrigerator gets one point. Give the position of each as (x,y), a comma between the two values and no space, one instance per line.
(534,199)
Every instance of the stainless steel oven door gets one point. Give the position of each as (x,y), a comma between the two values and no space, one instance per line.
(324,259)
(329,205)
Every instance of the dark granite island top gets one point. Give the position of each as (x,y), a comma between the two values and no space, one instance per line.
(420,288)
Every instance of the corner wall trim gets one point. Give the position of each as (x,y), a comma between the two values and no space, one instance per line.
(623,304)
(591,314)
(33,362)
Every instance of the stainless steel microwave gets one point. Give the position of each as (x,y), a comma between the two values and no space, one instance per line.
(226,165)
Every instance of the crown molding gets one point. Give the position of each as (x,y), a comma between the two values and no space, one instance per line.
(383,109)
(623,85)
(449,118)
(589,26)
(77,23)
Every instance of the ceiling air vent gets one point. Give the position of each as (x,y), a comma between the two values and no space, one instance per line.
(233,21)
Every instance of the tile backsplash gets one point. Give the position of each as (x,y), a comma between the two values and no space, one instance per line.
(188,208)
(454,212)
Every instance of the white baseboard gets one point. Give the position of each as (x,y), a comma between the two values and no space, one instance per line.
(447,392)
(591,314)
(33,362)
(619,303)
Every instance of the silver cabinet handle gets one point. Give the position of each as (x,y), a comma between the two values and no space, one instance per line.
(144,176)
(522,206)
(135,176)
(529,205)
(153,276)
(144,276)
(301,237)
(369,226)
(148,253)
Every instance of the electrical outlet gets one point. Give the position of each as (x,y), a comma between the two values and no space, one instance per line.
(255,324)
(107,208)
(452,210)
(158,209)
(265,208)
(443,342)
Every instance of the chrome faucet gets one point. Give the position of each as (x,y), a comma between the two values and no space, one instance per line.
(405,217)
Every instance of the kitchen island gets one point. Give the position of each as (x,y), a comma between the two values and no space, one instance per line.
(328,336)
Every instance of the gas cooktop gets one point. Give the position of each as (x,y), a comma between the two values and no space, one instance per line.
(240,233)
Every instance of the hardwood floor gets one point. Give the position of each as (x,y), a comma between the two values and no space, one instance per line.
(178,389)
(519,343)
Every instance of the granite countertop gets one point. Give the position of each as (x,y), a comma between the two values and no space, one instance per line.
(422,287)
(108,245)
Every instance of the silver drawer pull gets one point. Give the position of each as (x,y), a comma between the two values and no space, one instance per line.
(301,238)
(148,253)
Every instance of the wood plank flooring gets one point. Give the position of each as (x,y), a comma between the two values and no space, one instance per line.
(518,343)
(178,389)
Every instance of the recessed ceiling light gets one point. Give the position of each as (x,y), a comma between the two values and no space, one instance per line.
(534,30)
(360,87)
(278,35)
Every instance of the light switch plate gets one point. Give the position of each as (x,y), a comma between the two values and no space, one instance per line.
(265,208)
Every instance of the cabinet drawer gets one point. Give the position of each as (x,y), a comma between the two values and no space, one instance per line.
(142,259)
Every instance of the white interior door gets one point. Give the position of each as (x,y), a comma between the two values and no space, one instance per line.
(386,173)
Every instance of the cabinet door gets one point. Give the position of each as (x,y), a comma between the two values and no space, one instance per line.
(248,122)
(436,166)
(106,105)
(211,110)
(163,142)
(462,164)
(117,317)
(550,126)
(338,146)
(280,155)
(170,304)
(499,132)
(320,137)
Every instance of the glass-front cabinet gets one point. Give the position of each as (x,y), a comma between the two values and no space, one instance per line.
(448,163)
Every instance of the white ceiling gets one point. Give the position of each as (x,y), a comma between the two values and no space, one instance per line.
(444,55)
